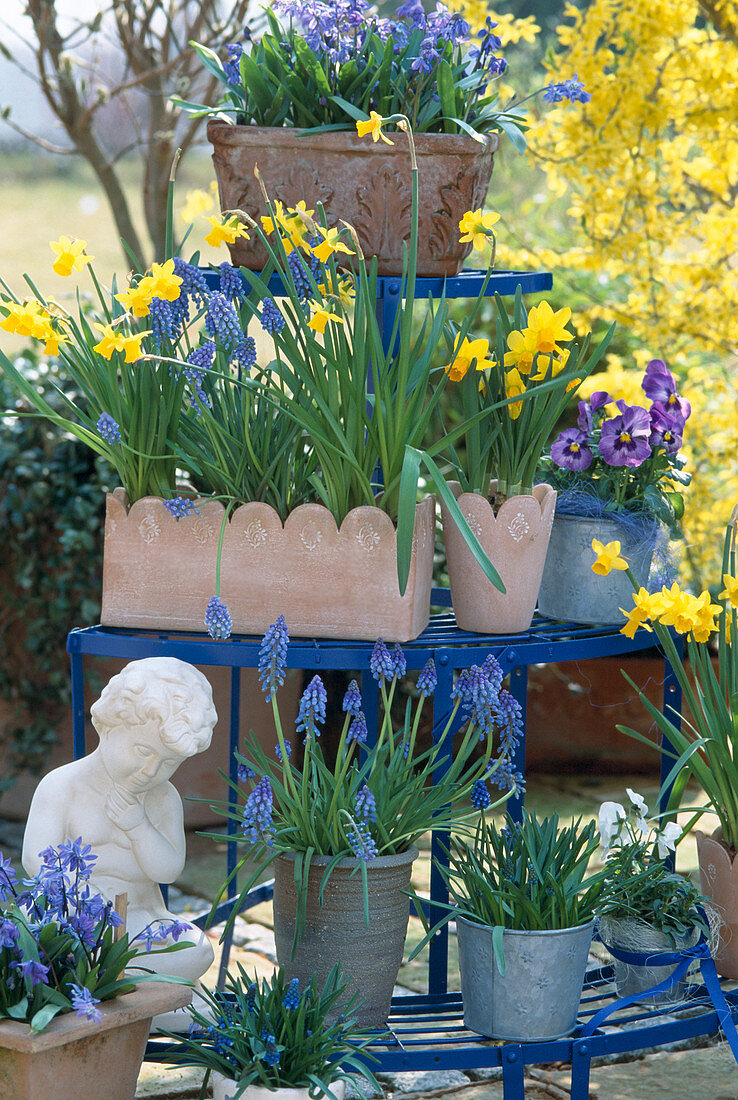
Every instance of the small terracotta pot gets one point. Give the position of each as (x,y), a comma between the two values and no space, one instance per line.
(719,878)
(516,540)
(336,931)
(224,1088)
(362,182)
(159,572)
(77,1059)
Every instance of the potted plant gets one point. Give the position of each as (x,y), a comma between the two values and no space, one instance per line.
(648,909)
(72,1012)
(511,399)
(703,741)
(341,835)
(616,475)
(291,99)
(525,910)
(271,1036)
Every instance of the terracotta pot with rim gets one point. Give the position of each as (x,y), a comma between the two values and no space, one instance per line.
(336,931)
(516,540)
(78,1059)
(159,573)
(719,879)
(362,182)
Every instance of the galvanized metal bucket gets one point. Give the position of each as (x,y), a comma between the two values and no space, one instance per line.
(538,996)
(635,935)
(570,591)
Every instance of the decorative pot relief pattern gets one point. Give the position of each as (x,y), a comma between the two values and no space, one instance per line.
(368,537)
(202,532)
(454,197)
(303,183)
(387,191)
(255,535)
(473,523)
(518,527)
(149,529)
(310,536)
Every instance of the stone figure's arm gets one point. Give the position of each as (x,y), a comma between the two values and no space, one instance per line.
(154,826)
(47,820)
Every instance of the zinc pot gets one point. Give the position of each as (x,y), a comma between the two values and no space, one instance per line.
(719,878)
(570,591)
(78,1059)
(515,540)
(365,183)
(225,1088)
(538,996)
(336,931)
(159,572)
(635,935)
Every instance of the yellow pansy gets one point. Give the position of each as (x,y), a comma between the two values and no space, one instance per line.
(730,592)
(225,230)
(477,227)
(514,385)
(331,243)
(111,341)
(608,558)
(373,126)
(136,299)
(70,255)
(321,317)
(465,352)
(547,328)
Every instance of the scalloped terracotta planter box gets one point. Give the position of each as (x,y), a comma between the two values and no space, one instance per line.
(719,878)
(365,184)
(516,541)
(159,573)
(75,1059)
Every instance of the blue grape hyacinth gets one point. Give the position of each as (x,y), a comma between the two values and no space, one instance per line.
(273,658)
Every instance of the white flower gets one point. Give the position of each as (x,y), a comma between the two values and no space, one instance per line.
(611,813)
(639,804)
(667,838)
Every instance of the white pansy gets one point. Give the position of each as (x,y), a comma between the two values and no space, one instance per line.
(639,804)
(611,813)
(667,838)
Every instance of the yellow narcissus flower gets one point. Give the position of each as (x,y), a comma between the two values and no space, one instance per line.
(132,346)
(22,317)
(268,223)
(373,126)
(70,255)
(477,227)
(465,352)
(111,341)
(321,317)
(522,351)
(136,300)
(331,243)
(162,282)
(730,592)
(608,558)
(514,385)
(547,327)
(639,615)
(225,230)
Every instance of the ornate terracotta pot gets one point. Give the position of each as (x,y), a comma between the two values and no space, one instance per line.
(159,572)
(516,540)
(719,878)
(363,183)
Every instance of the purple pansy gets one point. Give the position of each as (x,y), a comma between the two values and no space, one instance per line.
(667,429)
(625,438)
(585,418)
(571,449)
(599,399)
(659,385)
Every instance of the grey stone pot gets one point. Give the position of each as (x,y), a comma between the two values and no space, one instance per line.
(538,996)
(336,930)
(570,591)
(635,935)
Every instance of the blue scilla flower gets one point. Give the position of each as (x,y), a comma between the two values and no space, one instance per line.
(287,749)
(84,1003)
(399,664)
(165,322)
(218,622)
(428,678)
(221,320)
(231,283)
(272,318)
(571,90)
(257,823)
(312,708)
(365,804)
(273,657)
(480,796)
(231,66)
(8,934)
(292,995)
(108,428)
(180,507)
(244,354)
(8,879)
(77,858)
(361,841)
(352,699)
(357,730)
(380,663)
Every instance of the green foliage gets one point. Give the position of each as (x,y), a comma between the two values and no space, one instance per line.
(51,501)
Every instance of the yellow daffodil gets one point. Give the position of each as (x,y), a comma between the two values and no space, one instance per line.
(514,385)
(70,255)
(225,230)
(640,614)
(730,592)
(321,317)
(465,352)
(22,317)
(162,282)
(331,243)
(477,227)
(269,223)
(132,346)
(373,126)
(136,299)
(547,327)
(522,351)
(111,341)
(608,558)
(52,339)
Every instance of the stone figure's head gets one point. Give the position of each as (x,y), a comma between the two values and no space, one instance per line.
(150,717)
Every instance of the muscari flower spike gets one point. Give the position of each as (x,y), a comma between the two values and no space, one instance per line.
(352,699)
(428,678)
(273,658)
(365,804)
(292,995)
(480,796)
(108,428)
(357,730)
(257,823)
(218,622)
(272,318)
(381,664)
(312,708)
(287,749)
(180,507)
(361,840)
